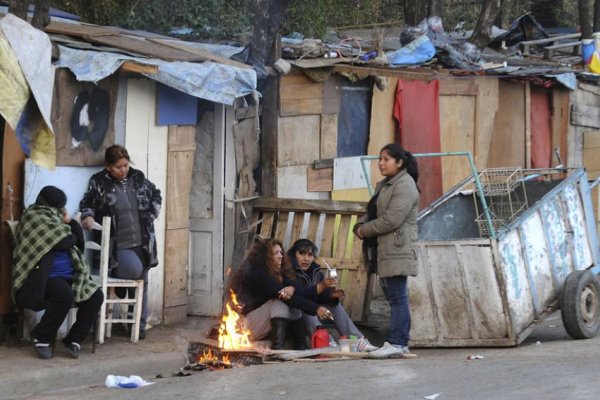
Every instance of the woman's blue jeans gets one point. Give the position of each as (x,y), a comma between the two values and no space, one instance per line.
(396,293)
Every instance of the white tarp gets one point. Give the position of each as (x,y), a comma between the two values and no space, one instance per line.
(219,83)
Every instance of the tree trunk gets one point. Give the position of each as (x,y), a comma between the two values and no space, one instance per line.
(41,15)
(597,16)
(585,11)
(18,8)
(482,34)
(268,18)
(436,8)
(415,11)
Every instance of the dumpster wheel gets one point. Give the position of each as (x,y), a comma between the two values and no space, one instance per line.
(580,304)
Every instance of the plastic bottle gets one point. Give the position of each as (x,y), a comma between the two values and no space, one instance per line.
(594,65)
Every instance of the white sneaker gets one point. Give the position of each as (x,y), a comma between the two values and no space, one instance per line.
(363,344)
(389,351)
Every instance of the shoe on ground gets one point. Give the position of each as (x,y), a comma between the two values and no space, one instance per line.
(142,335)
(73,348)
(43,350)
(389,351)
(363,345)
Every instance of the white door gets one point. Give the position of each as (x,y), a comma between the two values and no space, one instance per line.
(208,213)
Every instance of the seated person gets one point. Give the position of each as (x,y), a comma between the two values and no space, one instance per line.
(264,289)
(50,272)
(323,291)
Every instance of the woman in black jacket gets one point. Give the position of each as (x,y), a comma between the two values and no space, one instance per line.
(265,290)
(321,290)
(133,203)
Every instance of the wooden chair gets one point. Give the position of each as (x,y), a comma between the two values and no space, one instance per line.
(109,284)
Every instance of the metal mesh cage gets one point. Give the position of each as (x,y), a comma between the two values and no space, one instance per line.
(504,190)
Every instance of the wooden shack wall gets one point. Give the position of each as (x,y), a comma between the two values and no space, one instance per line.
(584,134)
(13,160)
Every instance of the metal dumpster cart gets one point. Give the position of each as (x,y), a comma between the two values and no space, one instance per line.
(500,252)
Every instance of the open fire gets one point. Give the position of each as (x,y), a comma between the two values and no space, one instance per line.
(232,334)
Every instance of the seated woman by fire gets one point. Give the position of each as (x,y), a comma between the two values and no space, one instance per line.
(268,298)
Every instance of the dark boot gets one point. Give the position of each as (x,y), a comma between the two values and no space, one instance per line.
(298,334)
(278,331)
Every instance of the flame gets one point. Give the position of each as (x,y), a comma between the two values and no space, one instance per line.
(207,357)
(232,334)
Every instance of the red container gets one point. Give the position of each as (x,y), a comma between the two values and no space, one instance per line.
(320,338)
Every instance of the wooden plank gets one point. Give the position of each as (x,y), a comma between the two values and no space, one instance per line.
(575,46)
(457,131)
(486,109)
(281,226)
(508,142)
(176,267)
(296,227)
(591,158)
(269,136)
(182,138)
(266,227)
(134,67)
(591,140)
(81,29)
(300,95)
(326,246)
(319,180)
(342,236)
(203,54)
(299,140)
(332,93)
(180,166)
(527,125)
(585,115)
(313,226)
(145,47)
(331,207)
(329,127)
(458,87)
(422,74)
(560,123)
(382,126)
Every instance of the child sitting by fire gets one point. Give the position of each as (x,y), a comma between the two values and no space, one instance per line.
(264,285)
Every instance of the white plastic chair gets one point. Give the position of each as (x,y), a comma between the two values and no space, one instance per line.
(109,284)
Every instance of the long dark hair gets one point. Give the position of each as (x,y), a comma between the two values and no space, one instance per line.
(409,162)
(261,255)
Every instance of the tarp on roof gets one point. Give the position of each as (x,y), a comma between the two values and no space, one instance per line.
(215,82)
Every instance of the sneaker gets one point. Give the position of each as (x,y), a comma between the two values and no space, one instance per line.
(363,345)
(43,350)
(73,348)
(389,351)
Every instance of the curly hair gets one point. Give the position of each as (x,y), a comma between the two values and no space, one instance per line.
(262,255)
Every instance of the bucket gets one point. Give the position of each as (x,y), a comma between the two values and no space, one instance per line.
(587,50)
(320,338)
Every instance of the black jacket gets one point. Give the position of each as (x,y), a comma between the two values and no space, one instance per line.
(258,286)
(306,284)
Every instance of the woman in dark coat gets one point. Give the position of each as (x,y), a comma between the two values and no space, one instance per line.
(50,272)
(316,287)
(133,203)
(390,233)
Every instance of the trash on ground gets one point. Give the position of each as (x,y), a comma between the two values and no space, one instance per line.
(131,382)
(474,357)
(432,397)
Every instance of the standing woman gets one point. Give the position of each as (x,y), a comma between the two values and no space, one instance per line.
(390,232)
(133,203)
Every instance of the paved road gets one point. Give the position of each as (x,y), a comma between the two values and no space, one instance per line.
(549,365)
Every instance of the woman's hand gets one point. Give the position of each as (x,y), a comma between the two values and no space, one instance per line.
(324,313)
(286,293)
(66,217)
(87,223)
(337,294)
(358,231)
